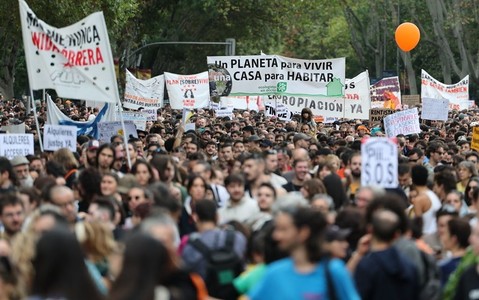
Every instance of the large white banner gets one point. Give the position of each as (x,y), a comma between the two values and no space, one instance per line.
(143,93)
(188,91)
(75,60)
(357,100)
(276,75)
(386,93)
(327,107)
(403,122)
(457,94)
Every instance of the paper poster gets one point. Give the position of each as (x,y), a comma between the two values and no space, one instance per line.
(434,109)
(59,136)
(108,129)
(402,122)
(12,145)
(379,162)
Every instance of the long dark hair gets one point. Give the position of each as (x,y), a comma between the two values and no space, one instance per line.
(60,269)
(146,265)
(148,167)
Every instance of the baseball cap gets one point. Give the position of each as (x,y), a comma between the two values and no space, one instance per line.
(335,233)
(93,145)
(19,160)
(301,136)
(265,143)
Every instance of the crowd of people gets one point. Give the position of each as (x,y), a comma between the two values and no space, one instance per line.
(248,207)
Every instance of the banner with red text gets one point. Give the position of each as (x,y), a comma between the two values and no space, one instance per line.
(188,91)
(357,100)
(75,60)
(386,93)
(143,93)
(457,94)
(403,122)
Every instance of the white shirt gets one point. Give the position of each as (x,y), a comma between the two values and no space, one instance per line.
(240,211)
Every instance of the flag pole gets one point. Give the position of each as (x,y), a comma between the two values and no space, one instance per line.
(36,120)
(125,139)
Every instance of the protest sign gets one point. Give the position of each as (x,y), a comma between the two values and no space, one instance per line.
(151,114)
(411,100)
(75,60)
(403,122)
(187,115)
(379,157)
(457,93)
(108,129)
(242,102)
(143,93)
(17,128)
(357,101)
(276,75)
(475,138)
(274,109)
(434,109)
(188,91)
(59,136)
(378,114)
(224,112)
(12,145)
(386,93)
(326,107)
(138,118)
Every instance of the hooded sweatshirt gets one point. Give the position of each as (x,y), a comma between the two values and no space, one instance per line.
(388,275)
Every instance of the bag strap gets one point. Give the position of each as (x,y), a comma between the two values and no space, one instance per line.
(67,175)
(329,282)
(200,246)
(229,240)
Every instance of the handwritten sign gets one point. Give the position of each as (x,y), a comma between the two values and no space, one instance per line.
(379,158)
(12,145)
(378,114)
(403,122)
(151,114)
(108,129)
(435,109)
(59,136)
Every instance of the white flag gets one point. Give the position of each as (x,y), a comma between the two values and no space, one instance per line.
(75,60)
(188,91)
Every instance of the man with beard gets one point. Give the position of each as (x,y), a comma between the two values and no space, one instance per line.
(211,151)
(239,207)
(301,174)
(105,158)
(254,170)
(20,165)
(353,175)
(12,215)
(89,154)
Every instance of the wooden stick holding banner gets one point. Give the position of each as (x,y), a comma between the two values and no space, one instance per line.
(125,138)
(36,120)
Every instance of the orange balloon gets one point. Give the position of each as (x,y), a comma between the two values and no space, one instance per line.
(407,36)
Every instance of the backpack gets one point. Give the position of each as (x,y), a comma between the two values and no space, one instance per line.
(431,288)
(223,265)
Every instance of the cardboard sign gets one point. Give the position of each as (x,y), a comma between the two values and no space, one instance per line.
(403,122)
(379,157)
(59,136)
(138,118)
(411,100)
(109,129)
(378,114)
(435,109)
(12,145)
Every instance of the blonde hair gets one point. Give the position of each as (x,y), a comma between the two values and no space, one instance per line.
(95,239)
(333,163)
(65,158)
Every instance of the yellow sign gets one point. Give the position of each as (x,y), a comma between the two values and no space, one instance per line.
(475,138)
